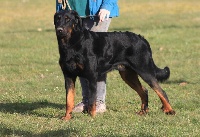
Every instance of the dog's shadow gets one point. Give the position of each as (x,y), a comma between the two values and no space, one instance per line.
(29,107)
(6,131)
(62,133)
(178,81)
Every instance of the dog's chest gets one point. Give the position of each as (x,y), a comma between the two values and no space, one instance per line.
(72,62)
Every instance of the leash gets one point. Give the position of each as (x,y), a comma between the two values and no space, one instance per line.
(65,3)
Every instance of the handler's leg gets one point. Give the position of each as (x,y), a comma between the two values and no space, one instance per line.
(101,94)
(96,26)
(80,106)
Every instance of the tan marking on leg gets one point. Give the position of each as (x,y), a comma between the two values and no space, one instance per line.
(166,105)
(69,103)
(92,109)
(131,78)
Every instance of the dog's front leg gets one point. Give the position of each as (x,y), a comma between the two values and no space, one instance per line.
(70,93)
(92,97)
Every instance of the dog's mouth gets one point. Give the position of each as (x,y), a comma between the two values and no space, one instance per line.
(60,32)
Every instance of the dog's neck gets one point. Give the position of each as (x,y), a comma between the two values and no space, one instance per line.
(70,40)
(76,37)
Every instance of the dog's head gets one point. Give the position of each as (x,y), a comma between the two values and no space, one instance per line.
(66,22)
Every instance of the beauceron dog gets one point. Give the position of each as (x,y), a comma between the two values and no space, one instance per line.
(92,54)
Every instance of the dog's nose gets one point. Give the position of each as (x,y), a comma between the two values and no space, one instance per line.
(59,30)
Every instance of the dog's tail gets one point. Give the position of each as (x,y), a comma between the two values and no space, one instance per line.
(162,74)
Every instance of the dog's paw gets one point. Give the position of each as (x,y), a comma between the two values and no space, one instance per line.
(66,118)
(171,112)
(167,111)
(142,112)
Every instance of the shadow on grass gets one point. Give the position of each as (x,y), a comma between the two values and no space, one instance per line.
(28,108)
(177,81)
(132,135)
(31,30)
(60,133)
(4,131)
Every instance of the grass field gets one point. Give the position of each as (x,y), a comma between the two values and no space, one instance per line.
(32,95)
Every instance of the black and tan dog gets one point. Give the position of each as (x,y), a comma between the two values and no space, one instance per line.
(92,54)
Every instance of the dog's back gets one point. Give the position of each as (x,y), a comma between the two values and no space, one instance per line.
(121,48)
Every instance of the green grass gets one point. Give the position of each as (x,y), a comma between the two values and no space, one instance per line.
(32,95)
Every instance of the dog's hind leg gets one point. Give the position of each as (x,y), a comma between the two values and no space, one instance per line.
(131,78)
(153,83)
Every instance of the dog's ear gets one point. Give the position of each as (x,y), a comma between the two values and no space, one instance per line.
(78,20)
(55,19)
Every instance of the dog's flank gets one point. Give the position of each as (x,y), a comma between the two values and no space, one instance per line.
(92,54)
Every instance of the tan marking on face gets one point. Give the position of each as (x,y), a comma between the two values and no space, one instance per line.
(69,30)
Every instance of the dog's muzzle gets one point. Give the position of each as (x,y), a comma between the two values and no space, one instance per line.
(59,31)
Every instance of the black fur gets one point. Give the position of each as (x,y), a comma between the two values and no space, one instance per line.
(92,54)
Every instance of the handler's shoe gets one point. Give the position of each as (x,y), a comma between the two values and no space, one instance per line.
(79,107)
(100,107)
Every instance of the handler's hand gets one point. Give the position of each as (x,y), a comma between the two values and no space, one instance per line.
(103,13)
